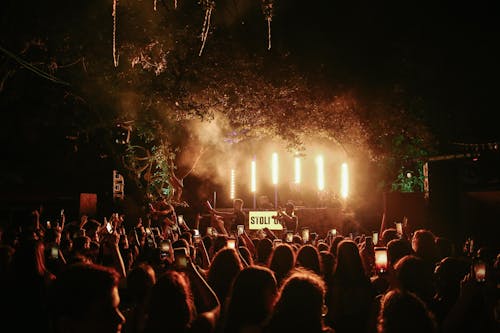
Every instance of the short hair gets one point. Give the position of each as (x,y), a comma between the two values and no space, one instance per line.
(403,311)
(79,286)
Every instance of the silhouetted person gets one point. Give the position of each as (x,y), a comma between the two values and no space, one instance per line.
(424,244)
(222,272)
(335,243)
(300,305)
(172,306)
(308,257)
(27,287)
(447,277)
(282,261)
(350,293)
(327,264)
(264,249)
(85,298)
(288,219)
(388,235)
(236,217)
(140,282)
(250,301)
(397,249)
(413,275)
(404,312)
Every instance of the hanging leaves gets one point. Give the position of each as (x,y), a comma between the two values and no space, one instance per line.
(115,54)
(208,6)
(267,10)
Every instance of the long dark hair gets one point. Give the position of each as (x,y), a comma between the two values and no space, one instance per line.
(300,304)
(251,298)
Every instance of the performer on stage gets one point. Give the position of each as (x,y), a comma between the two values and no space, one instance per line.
(237,216)
(288,219)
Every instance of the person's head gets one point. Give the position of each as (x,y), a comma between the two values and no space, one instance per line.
(181,242)
(251,298)
(402,311)
(297,239)
(322,246)
(397,249)
(264,250)
(219,243)
(424,245)
(28,259)
(186,235)
(222,272)
(140,281)
(282,261)
(348,265)
(91,229)
(300,303)
(81,244)
(171,305)
(289,208)
(335,243)
(308,257)
(327,263)
(414,275)
(448,274)
(85,298)
(388,235)
(238,204)
(53,235)
(246,254)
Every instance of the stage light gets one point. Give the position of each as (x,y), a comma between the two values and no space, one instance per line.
(253,183)
(320,172)
(297,169)
(344,187)
(275,169)
(232,188)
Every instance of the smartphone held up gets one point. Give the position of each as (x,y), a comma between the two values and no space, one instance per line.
(231,243)
(241,229)
(180,257)
(479,270)
(381,262)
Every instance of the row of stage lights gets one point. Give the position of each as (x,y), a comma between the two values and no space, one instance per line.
(320,176)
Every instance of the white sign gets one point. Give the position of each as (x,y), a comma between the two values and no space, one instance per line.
(263,219)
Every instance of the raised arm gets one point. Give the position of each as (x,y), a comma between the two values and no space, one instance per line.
(205,297)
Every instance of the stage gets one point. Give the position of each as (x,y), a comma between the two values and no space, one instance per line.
(318,220)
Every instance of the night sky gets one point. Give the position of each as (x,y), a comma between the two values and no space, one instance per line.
(445,52)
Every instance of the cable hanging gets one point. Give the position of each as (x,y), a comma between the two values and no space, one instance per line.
(115,54)
(208,6)
(32,68)
(267,10)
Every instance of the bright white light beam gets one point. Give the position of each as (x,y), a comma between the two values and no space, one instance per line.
(275,168)
(253,183)
(320,172)
(232,188)
(344,181)
(297,170)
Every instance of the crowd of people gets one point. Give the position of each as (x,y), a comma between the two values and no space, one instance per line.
(165,274)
